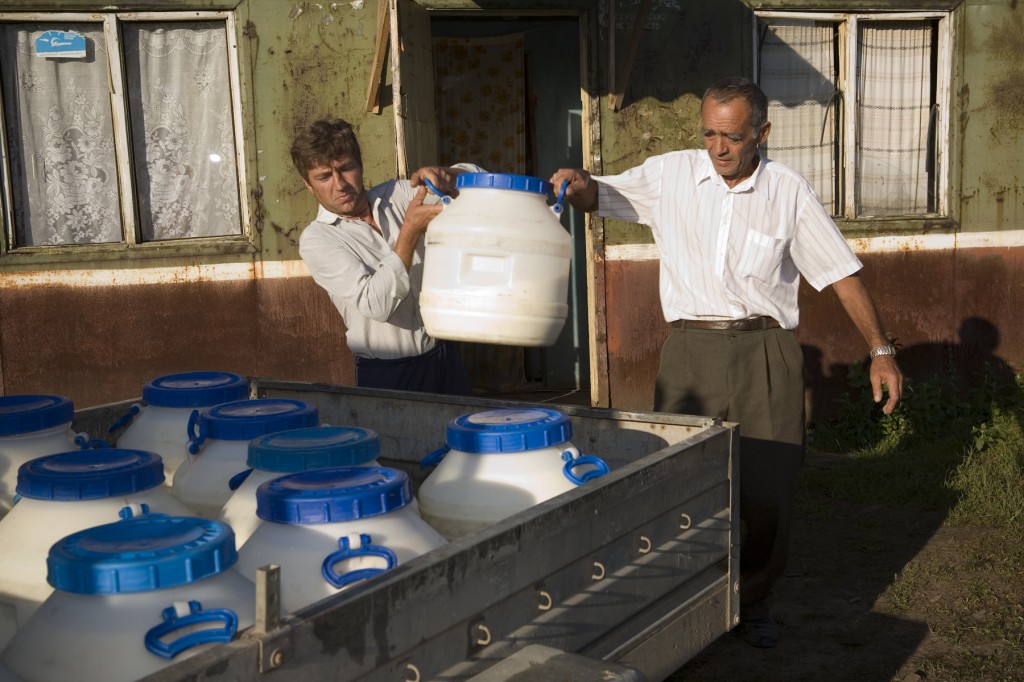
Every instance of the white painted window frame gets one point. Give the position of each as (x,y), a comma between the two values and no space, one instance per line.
(848,60)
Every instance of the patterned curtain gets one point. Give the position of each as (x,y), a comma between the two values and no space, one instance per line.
(798,74)
(61,140)
(61,136)
(894,96)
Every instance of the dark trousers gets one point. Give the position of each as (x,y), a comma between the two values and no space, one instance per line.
(439,370)
(754,378)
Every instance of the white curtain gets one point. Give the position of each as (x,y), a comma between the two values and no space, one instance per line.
(57,113)
(182,130)
(894,96)
(60,132)
(798,74)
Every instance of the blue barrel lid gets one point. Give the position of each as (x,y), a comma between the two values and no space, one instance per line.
(316,447)
(195,389)
(332,495)
(89,474)
(141,554)
(508,430)
(522,183)
(248,419)
(21,414)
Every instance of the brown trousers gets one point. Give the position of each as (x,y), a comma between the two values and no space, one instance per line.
(754,378)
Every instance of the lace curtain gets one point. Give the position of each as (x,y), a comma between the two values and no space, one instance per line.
(62,142)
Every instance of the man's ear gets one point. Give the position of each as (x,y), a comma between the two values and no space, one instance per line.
(764,132)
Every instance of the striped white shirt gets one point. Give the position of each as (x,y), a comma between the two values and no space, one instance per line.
(729,253)
(365,278)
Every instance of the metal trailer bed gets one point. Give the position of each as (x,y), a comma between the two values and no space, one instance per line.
(638,568)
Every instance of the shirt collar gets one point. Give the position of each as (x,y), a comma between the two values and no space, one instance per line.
(706,173)
(325,216)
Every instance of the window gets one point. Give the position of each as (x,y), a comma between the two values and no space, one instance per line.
(119,128)
(857,105)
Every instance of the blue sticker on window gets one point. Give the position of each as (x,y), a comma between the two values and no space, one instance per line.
(64,44)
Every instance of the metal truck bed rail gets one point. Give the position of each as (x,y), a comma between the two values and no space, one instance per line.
(638,567)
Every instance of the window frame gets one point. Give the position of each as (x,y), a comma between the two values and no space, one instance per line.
(112,21)
(848,30)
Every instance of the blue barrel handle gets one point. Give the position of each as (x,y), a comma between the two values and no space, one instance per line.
(130,512)
(83,442)
(434,458)
(557,208)
(238,479)
(125,418)
(346,551)
(196,615)
(572,461)
(196,432)
(445,199)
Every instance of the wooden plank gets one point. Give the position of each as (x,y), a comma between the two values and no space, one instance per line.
(380,54)
(622,79)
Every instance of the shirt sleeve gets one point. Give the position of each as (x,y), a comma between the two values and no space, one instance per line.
(819,250)
(375,288)
(632,195)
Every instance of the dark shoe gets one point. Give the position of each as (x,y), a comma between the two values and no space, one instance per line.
(760,632)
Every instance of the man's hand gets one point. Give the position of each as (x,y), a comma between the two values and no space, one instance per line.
(581,192)
(442,177)
(885,372)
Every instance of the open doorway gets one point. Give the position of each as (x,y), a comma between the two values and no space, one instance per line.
(508,97)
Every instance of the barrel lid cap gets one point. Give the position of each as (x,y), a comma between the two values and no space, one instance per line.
(195,389)
(141,554)
(508,430)
(89,474)
(20,414)
(315,447)
(248,419)
(522,183)
(333,495)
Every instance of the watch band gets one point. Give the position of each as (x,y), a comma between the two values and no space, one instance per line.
(887,349)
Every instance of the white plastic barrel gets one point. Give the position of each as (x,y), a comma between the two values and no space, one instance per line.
(64,493)
(287,452)
(497,463)
(496,264)
(329,529)
(132,598)
(218,446)
(160,424)
(30,426)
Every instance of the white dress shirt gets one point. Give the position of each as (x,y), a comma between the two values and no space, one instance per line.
(729,253)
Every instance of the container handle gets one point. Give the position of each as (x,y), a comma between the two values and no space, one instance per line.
(347,551)
(238,479)
(557,208)
(573,459)
(445,199)
(83,442)
(125,418)
(434,458)
(133,510)
(174,619)
(196,432)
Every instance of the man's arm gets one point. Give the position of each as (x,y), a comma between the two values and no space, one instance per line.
(857,302)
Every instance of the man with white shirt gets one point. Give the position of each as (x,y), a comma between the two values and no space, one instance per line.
(735,232)
(365,248)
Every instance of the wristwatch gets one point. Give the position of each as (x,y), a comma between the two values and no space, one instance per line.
(887,349)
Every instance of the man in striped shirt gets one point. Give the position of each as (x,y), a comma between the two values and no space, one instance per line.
(735,232)
(365,248)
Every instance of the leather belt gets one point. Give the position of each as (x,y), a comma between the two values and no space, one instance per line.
(748,324)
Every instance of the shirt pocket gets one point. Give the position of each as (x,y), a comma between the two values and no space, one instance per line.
(762,257)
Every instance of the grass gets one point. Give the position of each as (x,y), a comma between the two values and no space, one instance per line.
(954,446)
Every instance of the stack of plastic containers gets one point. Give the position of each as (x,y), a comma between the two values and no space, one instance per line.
(329,529)
(287,452)
(30,426)
(219,446)
(132,598)
(497,463)
(161,424)
(64,493)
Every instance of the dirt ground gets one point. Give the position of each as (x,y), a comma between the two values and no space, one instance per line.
(835,619)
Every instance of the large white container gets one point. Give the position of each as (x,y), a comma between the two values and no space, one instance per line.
(287,452)
(219,446)
(127,598)
(64,493)
(329,529)
(497,463)
(30,426)
(160,425)
(496,264)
